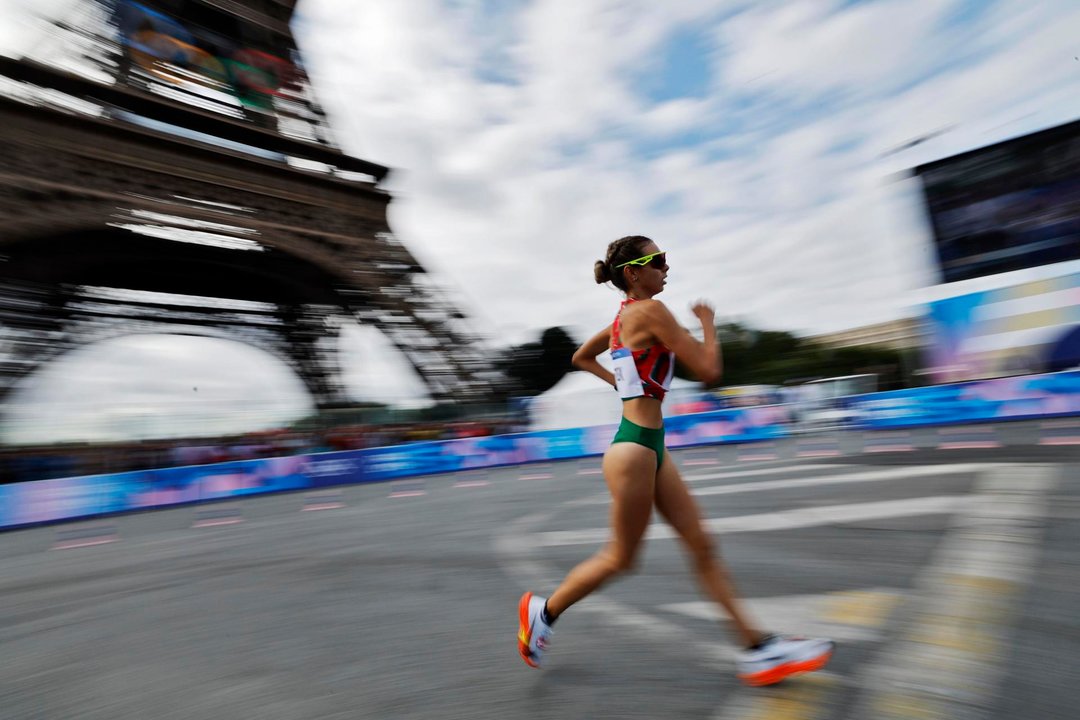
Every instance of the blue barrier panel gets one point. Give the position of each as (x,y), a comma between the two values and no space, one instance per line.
(42,501)
(1009,398)
(766,422)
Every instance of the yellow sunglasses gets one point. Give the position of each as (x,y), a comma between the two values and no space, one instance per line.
(658,260)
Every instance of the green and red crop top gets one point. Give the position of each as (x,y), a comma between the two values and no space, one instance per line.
(640,373)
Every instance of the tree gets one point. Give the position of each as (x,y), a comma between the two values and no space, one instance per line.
(772,357)
(535,367)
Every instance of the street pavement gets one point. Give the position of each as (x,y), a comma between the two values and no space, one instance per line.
(948,575)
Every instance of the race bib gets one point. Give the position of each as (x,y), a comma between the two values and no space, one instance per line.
(627,380)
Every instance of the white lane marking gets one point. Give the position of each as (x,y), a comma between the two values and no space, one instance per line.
(515,545)
(903,473)
(322,506)
(767,471)
(471,483)
(949,662)
(889,448)
(782,520)
(795,614)
(765,485)
(1060,441)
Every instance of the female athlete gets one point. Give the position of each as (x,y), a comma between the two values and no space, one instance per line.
(644,341)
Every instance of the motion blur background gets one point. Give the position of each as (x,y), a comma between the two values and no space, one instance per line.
(883,190)
(261,258)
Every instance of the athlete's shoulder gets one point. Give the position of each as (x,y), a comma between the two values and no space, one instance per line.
(652,308)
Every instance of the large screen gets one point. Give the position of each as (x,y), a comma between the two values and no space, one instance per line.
(1008,206)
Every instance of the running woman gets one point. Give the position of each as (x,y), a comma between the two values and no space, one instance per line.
(644,341)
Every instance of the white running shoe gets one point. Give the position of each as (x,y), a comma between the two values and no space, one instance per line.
(534,634)
(780,656)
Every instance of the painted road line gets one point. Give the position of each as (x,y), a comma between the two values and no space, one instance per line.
(969,445)
(1060,441)
(766,471)
(215,515)
(903,473)
(1060,432)
(85,535)
(759,451)
(472,479)
(536,472)
(804,697)
(888,442)
(966,439)
(782,520)
(821,447)
(948,661)
(798,481)
(699,457)
(817,453)
(757,457)
(407,488)
(850,615)
(514,546)
(889,448)
(323,500)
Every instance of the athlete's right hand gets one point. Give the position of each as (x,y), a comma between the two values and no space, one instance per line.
(704,312)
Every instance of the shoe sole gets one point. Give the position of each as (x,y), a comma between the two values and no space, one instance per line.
(524,636)
(780,672)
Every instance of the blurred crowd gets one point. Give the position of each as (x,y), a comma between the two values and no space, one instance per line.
(25,463)
(813,404)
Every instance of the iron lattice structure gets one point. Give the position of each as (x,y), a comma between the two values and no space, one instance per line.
(141,194)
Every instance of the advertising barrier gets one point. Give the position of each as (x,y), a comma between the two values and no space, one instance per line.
(1010,398)
(43,501)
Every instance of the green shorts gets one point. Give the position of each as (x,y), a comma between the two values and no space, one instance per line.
(652,438)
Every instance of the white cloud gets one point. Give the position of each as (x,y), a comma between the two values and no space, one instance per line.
(523,142)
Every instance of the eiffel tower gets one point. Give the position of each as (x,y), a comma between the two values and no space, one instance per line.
(166,168)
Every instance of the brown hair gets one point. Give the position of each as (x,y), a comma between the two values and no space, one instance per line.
(620,251)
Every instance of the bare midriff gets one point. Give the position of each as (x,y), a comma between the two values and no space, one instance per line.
(643,411)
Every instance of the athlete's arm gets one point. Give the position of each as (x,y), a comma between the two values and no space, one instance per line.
(585,357)
(702,357)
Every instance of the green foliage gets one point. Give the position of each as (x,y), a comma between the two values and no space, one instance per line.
(769,357)
(535,367)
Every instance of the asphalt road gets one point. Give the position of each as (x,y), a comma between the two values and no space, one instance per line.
(950,578)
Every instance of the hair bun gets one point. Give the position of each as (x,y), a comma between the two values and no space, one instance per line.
(601,272)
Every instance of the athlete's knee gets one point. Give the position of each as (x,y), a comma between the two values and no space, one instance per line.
(619,560)
(701,547)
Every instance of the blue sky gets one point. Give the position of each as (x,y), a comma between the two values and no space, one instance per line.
(755,141)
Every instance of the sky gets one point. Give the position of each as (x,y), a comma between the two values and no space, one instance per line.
(754,141)
(765,145)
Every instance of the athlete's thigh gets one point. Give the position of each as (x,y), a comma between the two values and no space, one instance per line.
(630,473)
(675,503)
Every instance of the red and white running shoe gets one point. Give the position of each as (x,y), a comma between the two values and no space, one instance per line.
(534,634)
(781,656)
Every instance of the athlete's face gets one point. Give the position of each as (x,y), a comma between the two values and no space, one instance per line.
(651,278)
